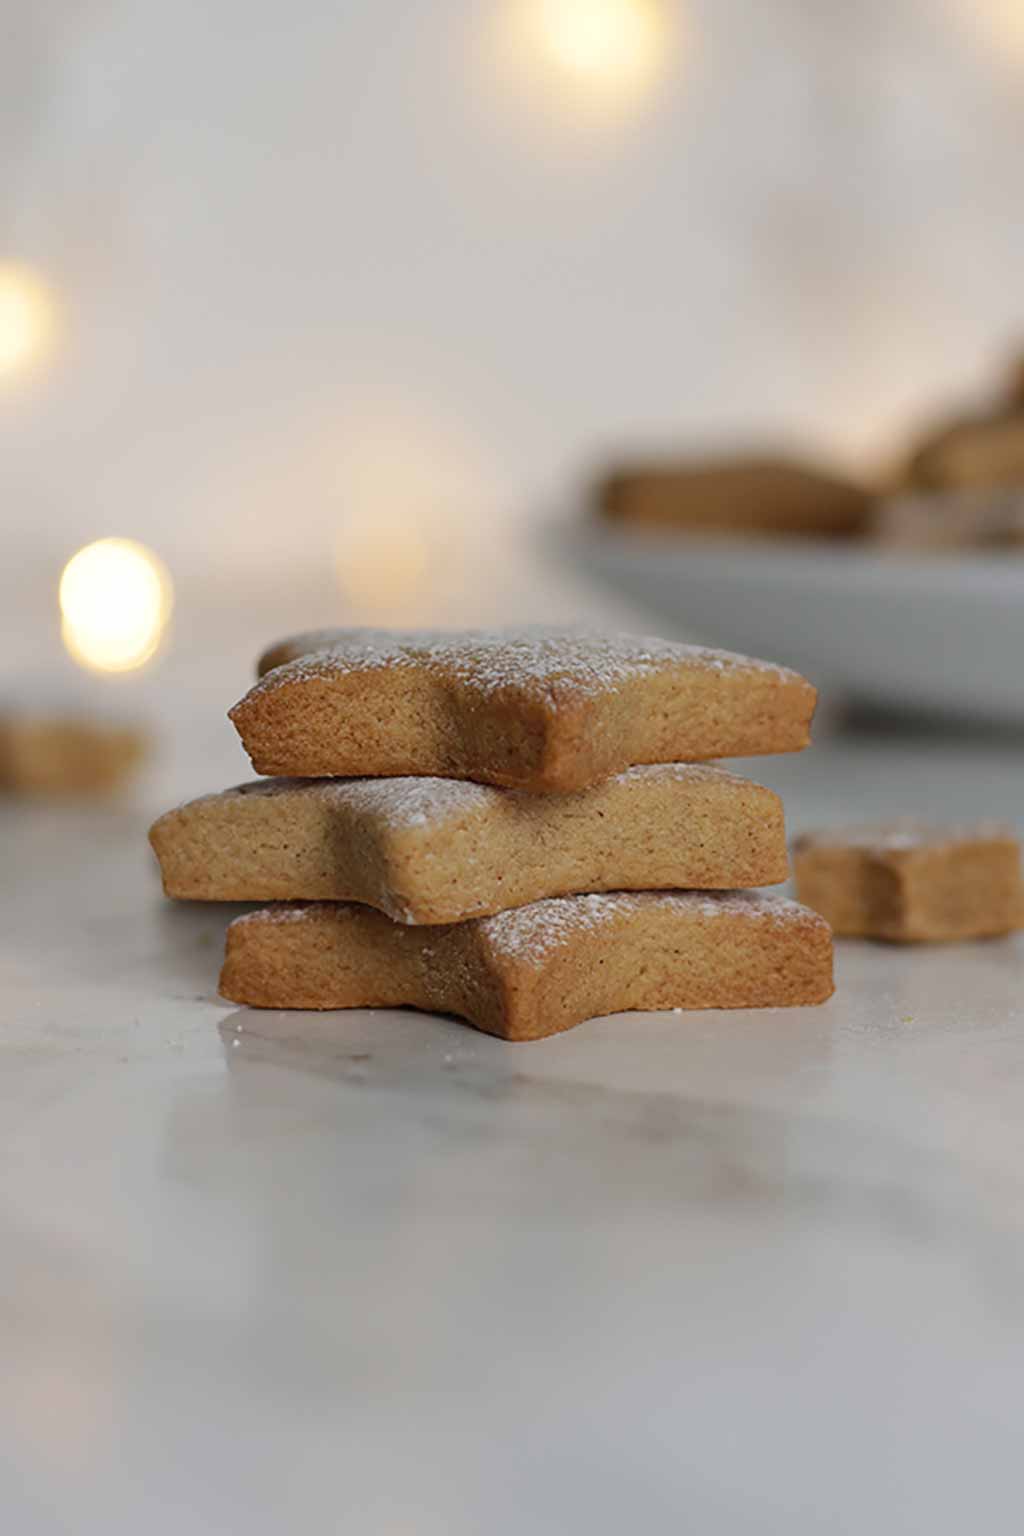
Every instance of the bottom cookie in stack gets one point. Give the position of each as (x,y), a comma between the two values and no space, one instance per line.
(538,969)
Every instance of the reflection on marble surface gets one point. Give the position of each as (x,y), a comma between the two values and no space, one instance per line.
(375,1272)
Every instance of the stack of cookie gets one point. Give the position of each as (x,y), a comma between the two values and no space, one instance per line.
(518,827)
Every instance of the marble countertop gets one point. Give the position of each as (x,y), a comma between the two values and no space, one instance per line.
(377,1273)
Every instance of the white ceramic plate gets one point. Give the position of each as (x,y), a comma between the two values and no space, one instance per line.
(931,633)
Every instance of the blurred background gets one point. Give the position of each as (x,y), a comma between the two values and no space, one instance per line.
(339,310)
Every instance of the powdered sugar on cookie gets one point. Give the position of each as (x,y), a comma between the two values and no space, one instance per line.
(546,710)
(284,912)
(495,660)
(531,933)
(421,802)
(905,834)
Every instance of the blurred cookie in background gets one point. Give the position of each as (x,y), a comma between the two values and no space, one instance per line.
(975,449)
(741,497)
(952,520)
(1015,389)
(972,453)
(67,753)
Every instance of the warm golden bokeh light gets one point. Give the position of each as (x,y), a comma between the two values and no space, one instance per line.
(1002,24)
(383,563)
(612,47)
(28,320)
(115,601)
(408,492)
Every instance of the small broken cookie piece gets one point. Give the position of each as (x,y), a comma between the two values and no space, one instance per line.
(908,882)
(535,709)
(428,850)
(735,498)
(58,753)
(540,969)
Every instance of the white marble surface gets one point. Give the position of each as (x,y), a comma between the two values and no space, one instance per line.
(377,1273)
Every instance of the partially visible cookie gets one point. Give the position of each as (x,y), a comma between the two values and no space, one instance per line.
(65,753)
(542,710)
(906,881)
(990,518)
(428,850)
(1015,384)
(540,969)
(736,498)
(971,453)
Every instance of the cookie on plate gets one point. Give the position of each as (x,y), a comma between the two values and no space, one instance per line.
(735,498)
(991,518)
(972,453)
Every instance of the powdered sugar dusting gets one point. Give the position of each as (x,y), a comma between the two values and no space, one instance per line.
(400,802)
(494,660)
(680,773)
(280,912)
(906,834)
(531,933)
(421,802)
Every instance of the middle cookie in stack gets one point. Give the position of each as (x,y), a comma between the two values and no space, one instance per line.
(463,871)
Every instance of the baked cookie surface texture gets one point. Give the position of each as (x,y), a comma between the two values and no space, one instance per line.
(426,850)
(542,968)
(536,709)
(909,882)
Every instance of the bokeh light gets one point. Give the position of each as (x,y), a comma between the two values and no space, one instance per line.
(612,48)
(28,320)
(410,496)
(1001,26)
(384,562)
(115,601)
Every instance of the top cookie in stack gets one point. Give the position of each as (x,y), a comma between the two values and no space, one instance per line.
(540,710)
(586,752)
